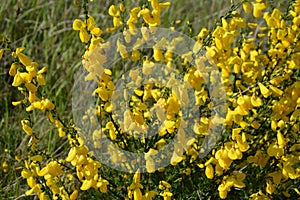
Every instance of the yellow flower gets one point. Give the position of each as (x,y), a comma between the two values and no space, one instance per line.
(79,25)
(52,168)
(291,167)
(87,184)
(223,160)
(157,54)
(25,125)
(71,155)
(13,69)
(38,158)
(235,153)
(256,101)
(135,56)
(133,19)
(22,57)
(258,7)
(113,11)
(137,194)
(150,165)
(147,67)
(259,196)
(277,176)
(264,90)
(145,12)
(276,91)
(242,142)
(1,53)
(150,194)
(121,48)
(102,184)
(176,159)
(74,195)
(5,167)
(209,171)
(31,87)
(275,150)
(280,139)
(167,195)
(270,189)
(122,7)
(235,180)
(260,158)
(136,180)
(41,80)
(26,77)
(153,18)
(238,179)
(17,80)
(247,7)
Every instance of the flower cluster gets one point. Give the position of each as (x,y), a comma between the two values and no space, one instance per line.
(51,178)
(256,52)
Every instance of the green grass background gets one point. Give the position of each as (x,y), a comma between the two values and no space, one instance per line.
(45,28)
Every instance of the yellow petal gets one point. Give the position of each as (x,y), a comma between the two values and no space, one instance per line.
(16,103)
(41,80)
(27,129)
(276,176)
(117,21)
(44,171)
(31,182)
(232,154)
(223,194)
(270,188)
(96,31)
(1,53)
(150,165)
(122,49)
(71,154)
(13,69)
(19,50)
(26,173)
(87,184)
(165,4)
(209,171)
(49,105)
(78,24)
(280,139)
(43,70)
(84,36)
(247,7)
(17,80)
(135,55)
(256,101)
(24,59)
(74,195)
(26,77)
(38,158)
(157,54)
(176,159)
(113,11)
(61,132)
(31,87)
(276,91)
(137,194)
(264,90)
(90,23)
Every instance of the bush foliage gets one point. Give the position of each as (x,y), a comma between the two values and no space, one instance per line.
(251,53)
